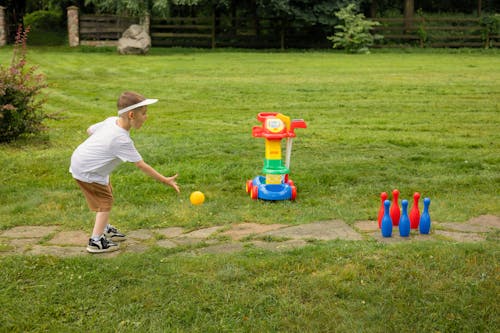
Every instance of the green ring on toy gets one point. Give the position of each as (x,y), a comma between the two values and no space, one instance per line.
(274,167)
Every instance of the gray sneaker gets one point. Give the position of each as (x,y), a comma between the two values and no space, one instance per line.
(114,234)
(101,246)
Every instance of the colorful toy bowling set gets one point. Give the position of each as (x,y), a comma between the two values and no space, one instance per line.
(275,184)
(390,215)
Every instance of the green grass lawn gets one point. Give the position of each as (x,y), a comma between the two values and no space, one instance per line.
(420,120)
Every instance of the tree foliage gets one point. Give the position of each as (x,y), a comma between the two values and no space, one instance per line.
(138,7)
(304,12)
(354,34)
(309,12)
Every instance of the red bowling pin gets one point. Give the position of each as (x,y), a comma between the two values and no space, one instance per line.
(383,197)
(395,211)
(415,213)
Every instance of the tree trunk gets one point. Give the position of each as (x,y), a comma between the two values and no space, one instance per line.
(408,13)
(374,8)
(233,18)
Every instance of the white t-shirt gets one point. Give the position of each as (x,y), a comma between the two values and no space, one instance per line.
(106,147)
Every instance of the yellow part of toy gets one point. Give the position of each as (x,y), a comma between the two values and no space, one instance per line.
(284,119)
(273,179)
(273,149)
(274,125)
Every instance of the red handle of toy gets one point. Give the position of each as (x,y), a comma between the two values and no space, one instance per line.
(297,123)
(263,115)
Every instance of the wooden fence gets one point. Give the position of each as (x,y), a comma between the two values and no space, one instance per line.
(227,31)
(174,31)
(270,33)
(434,32)
(103,30)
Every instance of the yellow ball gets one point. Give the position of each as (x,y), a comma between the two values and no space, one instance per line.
(197,198)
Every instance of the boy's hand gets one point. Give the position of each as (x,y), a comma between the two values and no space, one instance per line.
(150,171)
(171,181)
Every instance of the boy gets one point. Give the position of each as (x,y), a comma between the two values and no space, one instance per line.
(108,145)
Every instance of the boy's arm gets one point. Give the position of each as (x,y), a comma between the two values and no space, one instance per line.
(93,128)
(150,171)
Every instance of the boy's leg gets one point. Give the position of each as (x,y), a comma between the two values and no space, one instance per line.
(101,221)
(98,243)
(99,199)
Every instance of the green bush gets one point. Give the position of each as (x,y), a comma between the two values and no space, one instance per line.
(20,106)
(490,25)
(46,28)
(44,20)
(354,35)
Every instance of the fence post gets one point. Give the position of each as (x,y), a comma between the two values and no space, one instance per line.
(213,29)
(73,26)
(282,39)
(283,28)
(3,27)
(146,23)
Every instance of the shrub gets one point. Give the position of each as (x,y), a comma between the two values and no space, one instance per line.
(46,27)
(421,31)
(490,25)
(354,35)
(20,106)
(43,20)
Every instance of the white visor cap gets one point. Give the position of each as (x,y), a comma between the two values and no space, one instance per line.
(135,106)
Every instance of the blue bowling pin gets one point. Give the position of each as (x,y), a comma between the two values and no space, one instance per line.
(386,224)
(404,221)
(425,218)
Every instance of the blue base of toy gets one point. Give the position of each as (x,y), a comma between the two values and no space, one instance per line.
(273,192)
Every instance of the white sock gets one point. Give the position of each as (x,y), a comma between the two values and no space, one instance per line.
(96,238)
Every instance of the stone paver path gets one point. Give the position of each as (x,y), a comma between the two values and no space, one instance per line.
(55,241)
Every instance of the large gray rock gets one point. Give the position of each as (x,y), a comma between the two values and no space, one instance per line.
(135,40)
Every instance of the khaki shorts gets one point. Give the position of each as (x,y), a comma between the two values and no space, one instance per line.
(99,197)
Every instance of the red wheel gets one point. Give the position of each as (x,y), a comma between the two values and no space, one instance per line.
(255,193)
(294,193)
(249,186)
(290,182)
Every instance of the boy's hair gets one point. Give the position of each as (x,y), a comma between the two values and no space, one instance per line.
(128,98)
